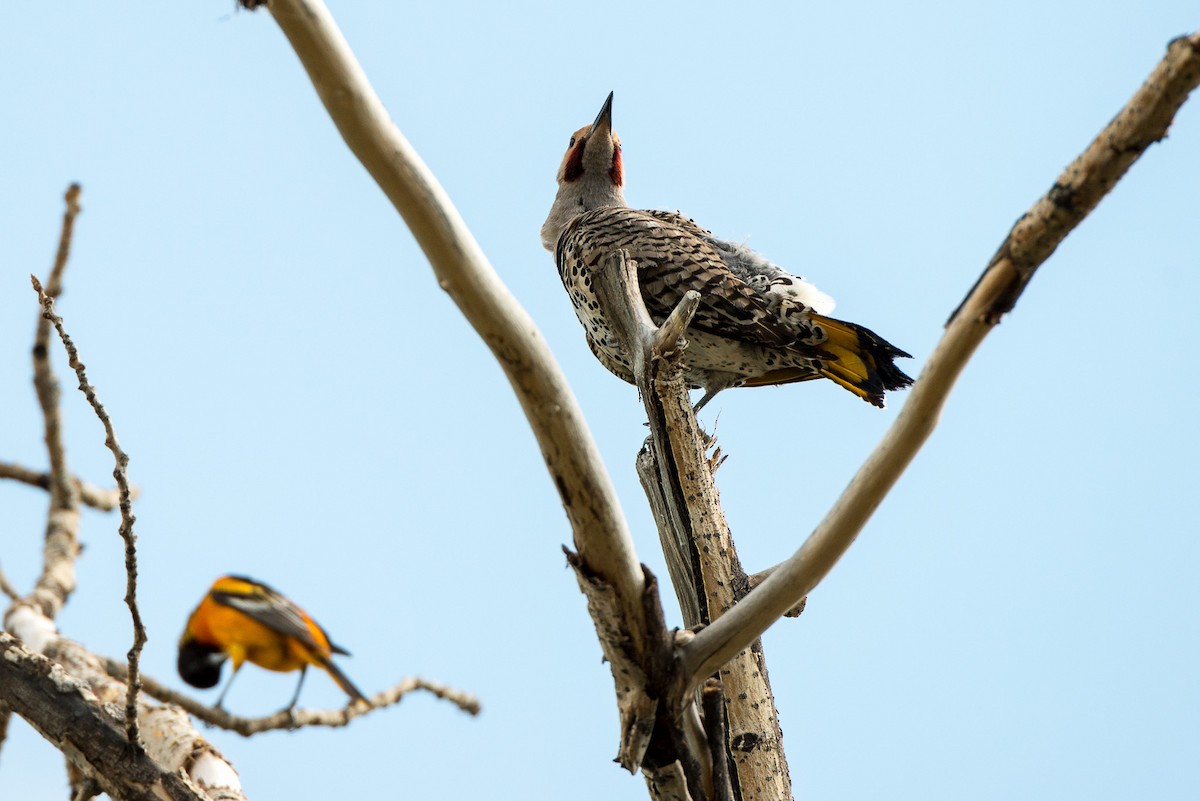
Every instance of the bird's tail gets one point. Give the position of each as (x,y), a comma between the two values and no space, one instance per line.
(342,680)
(863,360)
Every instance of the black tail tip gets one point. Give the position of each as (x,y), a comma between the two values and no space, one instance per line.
(886,377)
(893,377)
(884,353)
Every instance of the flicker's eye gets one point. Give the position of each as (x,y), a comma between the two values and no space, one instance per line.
(572,142)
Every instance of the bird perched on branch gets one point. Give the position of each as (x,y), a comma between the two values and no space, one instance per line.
(756,325)
(244,620)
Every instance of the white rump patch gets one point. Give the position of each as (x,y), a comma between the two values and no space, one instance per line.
(768,277)
(814,298)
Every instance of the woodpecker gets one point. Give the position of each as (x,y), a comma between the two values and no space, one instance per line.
(757,325)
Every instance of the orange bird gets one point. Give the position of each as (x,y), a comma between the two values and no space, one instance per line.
(244,620)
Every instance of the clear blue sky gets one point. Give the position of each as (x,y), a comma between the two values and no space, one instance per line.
(303,404)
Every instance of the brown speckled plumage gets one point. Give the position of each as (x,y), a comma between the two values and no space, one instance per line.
(756,324)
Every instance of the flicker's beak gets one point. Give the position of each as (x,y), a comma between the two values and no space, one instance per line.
(604,118)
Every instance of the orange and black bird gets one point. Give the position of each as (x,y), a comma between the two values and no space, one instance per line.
(244,620)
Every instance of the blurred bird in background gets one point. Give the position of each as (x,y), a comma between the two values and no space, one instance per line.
(244,620)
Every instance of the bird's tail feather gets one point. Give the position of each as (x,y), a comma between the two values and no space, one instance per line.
(862,360)
(342,680)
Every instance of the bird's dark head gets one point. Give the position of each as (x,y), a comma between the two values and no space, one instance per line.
(199,664)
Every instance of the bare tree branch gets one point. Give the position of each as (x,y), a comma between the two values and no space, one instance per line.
(1143,121)
(297,718)
(66,712)
(605,550)
(601,535)
(637,706)
(600,531)
(695,534)
(103,499)
(62,255)
(126,504)
(57,580)
(169,739)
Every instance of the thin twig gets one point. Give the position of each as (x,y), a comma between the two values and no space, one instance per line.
(54,281)
(297,717)
(1143,121)
(105,500)
(126,505)
(61,544)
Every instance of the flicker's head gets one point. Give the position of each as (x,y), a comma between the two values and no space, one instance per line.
(590,176)
(594,153)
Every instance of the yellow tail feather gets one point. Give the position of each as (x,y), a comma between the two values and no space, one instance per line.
(844,380)
(854,366)
(843,343)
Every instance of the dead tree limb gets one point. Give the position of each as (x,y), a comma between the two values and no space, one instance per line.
(601,534)
(67,711)
(61,546)
(1142,122)
(57,580)
(700,551)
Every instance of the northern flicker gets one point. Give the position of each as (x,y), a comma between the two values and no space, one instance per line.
(757,324)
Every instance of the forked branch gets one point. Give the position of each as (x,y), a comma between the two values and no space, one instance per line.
(697,543)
